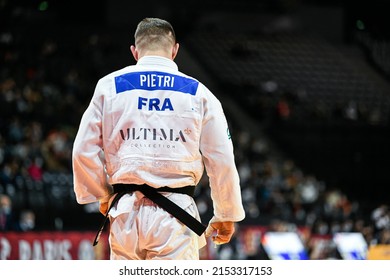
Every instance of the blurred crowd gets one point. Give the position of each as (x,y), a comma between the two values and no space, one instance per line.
(45,84)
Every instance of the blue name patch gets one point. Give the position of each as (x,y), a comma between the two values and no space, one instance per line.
(155,81)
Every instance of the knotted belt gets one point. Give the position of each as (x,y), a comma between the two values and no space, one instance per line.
(154,195)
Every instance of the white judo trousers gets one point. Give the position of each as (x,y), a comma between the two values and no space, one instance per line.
(141,230)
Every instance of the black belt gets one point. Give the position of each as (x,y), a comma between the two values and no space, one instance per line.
(154,195)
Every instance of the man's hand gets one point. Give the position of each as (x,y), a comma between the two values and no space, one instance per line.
(103,207)
(224,232)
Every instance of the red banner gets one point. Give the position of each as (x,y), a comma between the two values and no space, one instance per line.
(76,245)
(49,245)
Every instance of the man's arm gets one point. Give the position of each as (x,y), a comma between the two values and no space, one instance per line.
(217,151)
(87,156)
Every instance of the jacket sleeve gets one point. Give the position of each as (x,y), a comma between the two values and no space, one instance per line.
(217,150)
(89,176)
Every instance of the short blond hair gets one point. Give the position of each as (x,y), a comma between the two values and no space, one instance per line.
(154,34)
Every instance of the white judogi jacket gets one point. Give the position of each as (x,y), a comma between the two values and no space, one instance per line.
(149,123)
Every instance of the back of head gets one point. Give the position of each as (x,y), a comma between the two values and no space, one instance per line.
(154,34)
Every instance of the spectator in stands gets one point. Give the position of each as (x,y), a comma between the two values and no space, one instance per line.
(7,222)
(35,169)
(381,217)
(283,109)
(384,236)
(26,220)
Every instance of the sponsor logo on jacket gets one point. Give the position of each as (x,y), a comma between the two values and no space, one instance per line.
(153,134)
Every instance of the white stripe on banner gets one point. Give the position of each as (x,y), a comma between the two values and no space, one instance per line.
(203,269)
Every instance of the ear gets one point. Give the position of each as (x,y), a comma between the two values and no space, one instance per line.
(175,50)
(134,52)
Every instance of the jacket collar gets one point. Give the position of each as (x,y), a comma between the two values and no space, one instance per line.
(157,61)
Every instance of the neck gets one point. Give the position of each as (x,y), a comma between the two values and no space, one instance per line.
(156,53)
